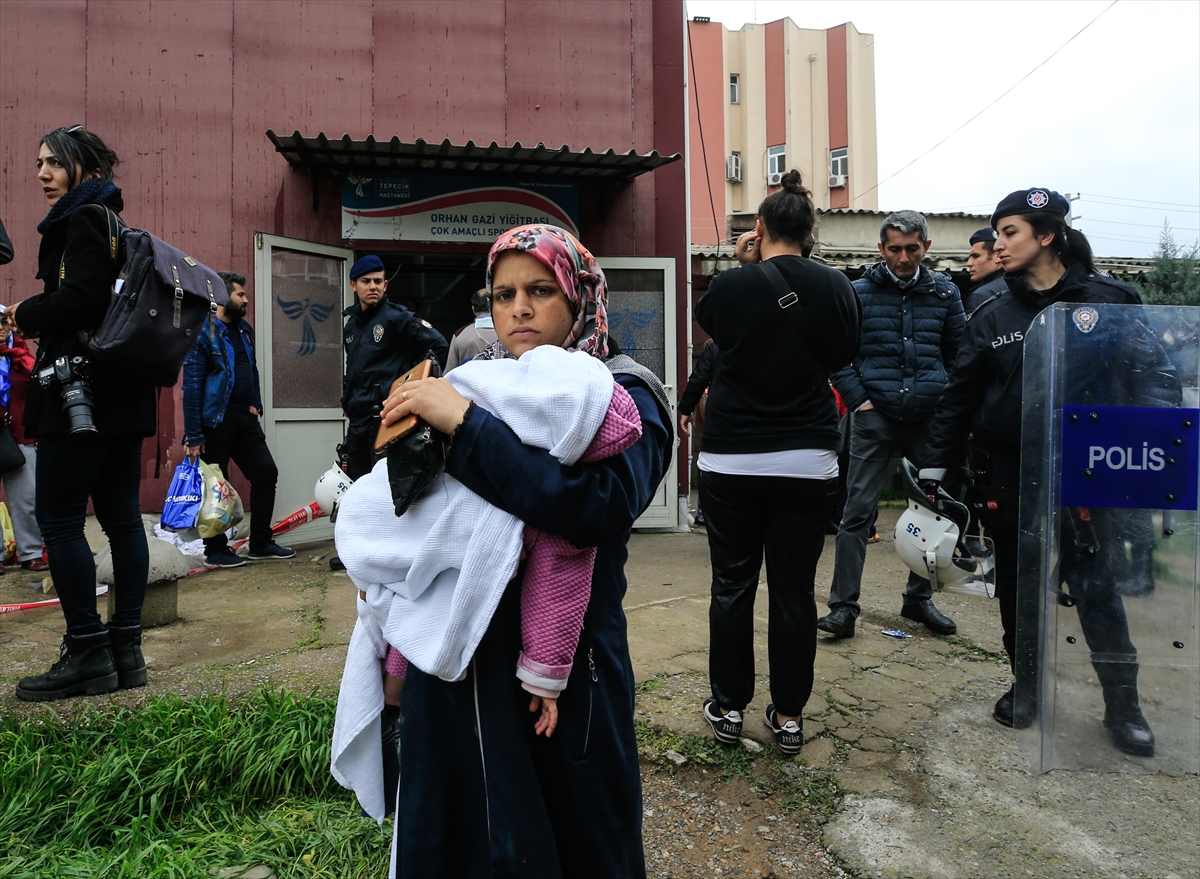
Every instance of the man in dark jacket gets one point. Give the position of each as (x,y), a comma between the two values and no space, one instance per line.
(383,341)
(912,323)
(987,276)
(222,405)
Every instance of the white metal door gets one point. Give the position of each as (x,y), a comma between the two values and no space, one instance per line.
(641,317)
(300,291)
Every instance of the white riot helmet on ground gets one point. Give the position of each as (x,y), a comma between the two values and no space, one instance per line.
(329,490)
(929,540)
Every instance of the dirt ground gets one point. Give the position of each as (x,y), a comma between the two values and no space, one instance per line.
(928,785)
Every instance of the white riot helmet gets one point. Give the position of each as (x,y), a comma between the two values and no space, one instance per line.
(330,488)
(929,540)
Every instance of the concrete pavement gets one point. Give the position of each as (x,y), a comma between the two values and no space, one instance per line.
(934,787)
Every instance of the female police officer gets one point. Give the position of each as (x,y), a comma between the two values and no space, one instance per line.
(1045,262)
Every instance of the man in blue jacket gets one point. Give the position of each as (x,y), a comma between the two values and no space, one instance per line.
(912,324)
(222,405)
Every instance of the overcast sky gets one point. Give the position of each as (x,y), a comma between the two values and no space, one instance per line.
(1114,116)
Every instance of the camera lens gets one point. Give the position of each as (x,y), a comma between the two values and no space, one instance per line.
(77,403)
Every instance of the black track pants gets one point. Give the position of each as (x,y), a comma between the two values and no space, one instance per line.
(786,517)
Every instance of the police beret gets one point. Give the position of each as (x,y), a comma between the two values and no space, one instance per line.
(986,235)
(1031,201)
(366,265)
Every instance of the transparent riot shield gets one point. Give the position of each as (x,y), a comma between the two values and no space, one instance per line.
(1107,655)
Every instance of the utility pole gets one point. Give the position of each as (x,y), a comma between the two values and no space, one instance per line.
(1073,218)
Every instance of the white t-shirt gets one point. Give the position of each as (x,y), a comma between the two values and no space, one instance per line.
(793,463)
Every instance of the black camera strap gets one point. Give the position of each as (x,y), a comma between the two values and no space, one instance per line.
(790,305)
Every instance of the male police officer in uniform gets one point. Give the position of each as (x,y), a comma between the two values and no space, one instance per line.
(987,276)
(383,341)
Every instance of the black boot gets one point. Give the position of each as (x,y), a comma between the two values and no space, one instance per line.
(84,668)
(1122,713)
(1012,712)
(127,656)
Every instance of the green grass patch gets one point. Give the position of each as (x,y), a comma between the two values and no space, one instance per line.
(797,789)
(794,787)
(178,788)
(654,742)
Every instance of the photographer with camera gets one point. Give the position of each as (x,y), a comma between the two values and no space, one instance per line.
(89,422)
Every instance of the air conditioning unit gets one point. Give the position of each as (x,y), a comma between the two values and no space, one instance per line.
(775,179)
(733,168)
(836,181)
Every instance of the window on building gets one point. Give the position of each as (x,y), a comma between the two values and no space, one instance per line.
(776,163)
(734,90)
(839,162)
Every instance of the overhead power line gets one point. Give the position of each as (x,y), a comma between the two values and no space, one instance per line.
(1142,225)
(992,104)
(1141,207)
(1147,201)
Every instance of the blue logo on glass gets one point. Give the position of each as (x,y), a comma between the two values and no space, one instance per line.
(1130,457)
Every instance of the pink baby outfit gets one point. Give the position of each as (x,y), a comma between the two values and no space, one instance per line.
(558,576)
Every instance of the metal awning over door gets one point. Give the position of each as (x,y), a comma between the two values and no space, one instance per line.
(420,155)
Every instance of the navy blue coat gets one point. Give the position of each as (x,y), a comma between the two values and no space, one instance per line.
(909,341)
(208,377)
(480,794)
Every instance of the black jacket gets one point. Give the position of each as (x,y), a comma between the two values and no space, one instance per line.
(382,343)
(983,397)
(78,270)
(910,337)
(6,248)
(700,379)
(990,287)
(771,393)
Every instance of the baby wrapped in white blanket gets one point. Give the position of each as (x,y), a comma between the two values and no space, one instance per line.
(433,577)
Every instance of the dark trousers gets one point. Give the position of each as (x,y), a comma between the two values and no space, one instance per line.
(240,438)
(787,518)
(108,469)
(1090,564)
(359,448)
(874,438)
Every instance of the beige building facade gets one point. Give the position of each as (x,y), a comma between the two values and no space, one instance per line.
(771,97)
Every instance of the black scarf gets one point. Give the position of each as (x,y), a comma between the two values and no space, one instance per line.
(92,191)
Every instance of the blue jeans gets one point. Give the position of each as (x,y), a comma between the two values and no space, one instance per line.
(108,469)
(874,438)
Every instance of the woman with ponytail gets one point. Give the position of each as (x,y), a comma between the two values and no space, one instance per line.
(768,472)
(1045,263)
(87,452)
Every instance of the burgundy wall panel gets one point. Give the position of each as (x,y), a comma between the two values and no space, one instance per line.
(185,93)
(165,105)
(439,71)
(573,91)
(640,205)
(43,78)
(297,67)
(670,181)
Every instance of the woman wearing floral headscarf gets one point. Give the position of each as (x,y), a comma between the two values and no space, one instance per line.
(481,793)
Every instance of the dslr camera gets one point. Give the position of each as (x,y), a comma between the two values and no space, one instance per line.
(70,374)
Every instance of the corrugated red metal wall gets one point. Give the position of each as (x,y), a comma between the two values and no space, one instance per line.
(184,92)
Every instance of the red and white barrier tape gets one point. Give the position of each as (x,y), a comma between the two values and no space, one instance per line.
(301,517)
(49,602)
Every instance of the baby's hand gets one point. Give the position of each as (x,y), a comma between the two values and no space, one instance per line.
(549,719)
